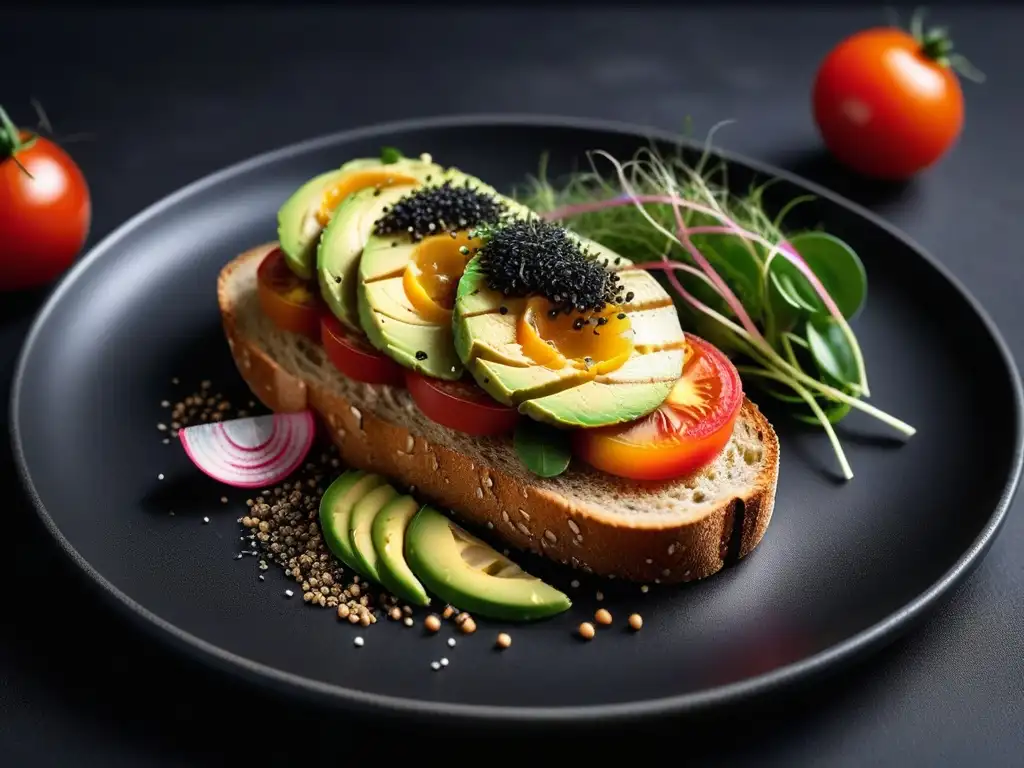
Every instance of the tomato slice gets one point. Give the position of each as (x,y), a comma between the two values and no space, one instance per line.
(684,434)
(355,357)
(291,303)
(460,405)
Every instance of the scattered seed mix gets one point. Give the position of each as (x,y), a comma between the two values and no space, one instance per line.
(281,526)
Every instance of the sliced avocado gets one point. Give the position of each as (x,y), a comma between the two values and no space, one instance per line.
(336,509)
(595,404)
(402,328)
(388,534)
(486,329)
(298,225)
(466,572)
(425,348)
(342,244)
(360,523)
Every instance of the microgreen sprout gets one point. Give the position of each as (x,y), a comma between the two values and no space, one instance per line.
(780,304)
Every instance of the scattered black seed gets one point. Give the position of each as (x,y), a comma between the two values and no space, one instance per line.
(503,310)
(621,315)
(523,258)
(376,192)
(629,296)
(394,243)
(429,209)
(421,355)
(486,380)
(618,260)
(602,321)
(578,323)
(337,279)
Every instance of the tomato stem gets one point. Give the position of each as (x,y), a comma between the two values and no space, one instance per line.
(936,45)
(10,142)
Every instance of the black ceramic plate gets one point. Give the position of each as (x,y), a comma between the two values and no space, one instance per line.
(842,569)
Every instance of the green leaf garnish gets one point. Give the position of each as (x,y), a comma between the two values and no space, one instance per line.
(831,350)
(778,302)
(544,450)
(836,265)
(389,155)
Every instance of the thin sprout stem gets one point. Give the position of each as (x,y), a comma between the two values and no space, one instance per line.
(832,392)
(819,414)
(662,265)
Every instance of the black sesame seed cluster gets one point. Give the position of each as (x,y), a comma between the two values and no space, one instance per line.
(527,258)
(446,207)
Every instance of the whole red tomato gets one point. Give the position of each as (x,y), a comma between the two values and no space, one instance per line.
(45,208)
(888,103)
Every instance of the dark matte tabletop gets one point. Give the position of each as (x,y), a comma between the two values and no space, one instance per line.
(169,97)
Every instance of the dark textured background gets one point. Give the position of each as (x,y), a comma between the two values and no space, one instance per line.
(172,96)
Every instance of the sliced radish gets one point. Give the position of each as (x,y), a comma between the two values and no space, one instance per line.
(251,453)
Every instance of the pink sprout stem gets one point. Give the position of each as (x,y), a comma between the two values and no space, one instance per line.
(730,298)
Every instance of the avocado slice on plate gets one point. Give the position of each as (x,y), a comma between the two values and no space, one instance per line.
(388,534)
(466,572)
(336,509)
(407,280)
(300,221)
(360,525)
(572,369)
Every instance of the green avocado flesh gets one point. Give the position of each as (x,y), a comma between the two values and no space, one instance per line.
(360,526)
(342,244)
(388,533)
(392,323)
(336,510)
(485,329)
(469,574)
(299,230)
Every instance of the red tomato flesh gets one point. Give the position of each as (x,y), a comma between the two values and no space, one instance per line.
(460,405)
(683,435)
(45,212)
(355,357)
(883,107)
(291,303)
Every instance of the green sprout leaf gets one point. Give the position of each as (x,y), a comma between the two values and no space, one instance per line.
(389,155)
(834,263)
(831,350)
(544,450)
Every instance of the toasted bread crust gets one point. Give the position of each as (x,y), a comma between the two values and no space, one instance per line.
(525,516)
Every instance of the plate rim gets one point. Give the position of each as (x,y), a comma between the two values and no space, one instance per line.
(265,675)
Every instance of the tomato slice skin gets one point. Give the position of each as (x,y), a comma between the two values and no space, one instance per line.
(460,405)
(291,303)
(355,358)
(683,435)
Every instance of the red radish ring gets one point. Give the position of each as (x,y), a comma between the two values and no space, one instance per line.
(251,453)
